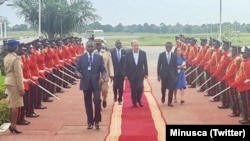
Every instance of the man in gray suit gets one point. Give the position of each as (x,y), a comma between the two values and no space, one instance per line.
(90,68)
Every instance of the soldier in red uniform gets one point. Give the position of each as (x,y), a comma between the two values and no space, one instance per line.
(211,67)
(37,74)
(204,62)
(229,78)
(242,84)
(49,64)
(192,53)
(21,114)
(220,72)
(201,54)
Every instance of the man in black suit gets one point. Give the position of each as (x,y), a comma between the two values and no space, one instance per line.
(90,67)
(167,72)
(118,58)
(135,70)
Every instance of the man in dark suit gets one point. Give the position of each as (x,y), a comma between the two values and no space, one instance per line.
(90,67)
(135,70)
(118,58)
(167,72)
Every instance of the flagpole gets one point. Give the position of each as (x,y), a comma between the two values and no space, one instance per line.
(220,19)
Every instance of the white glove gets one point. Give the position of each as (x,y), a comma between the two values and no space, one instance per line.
(246,81)
(25,80)
(34,77)
(41,71)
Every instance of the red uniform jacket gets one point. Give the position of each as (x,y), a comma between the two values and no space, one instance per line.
(211,66)
(222,66)
(26,72)
(242,74)
(193,51)
(231,70)
(201,54)
(206,58)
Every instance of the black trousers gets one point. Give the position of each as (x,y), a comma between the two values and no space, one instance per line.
(118,83)
(167,84)
(88,95)
(22,110)
(136,86)
(245,104)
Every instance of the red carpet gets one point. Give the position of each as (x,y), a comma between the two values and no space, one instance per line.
(137,123)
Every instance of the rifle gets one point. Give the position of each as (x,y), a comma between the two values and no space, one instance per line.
(57,77)
(219,93)
(191,72)
(212,86)
(198,77)
(205,82)
(44,89)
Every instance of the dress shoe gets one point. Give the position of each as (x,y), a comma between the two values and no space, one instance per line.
(48,100)
(73,83)
(67,86)
(104,104)
(222,107)
(192,86)
(40,107)
(90,126)
(23,122)
(214,100)
(170,105)
(234,115)
(119,103)
(97,126)
(13,130)
(244,121)
(162,100)
(32,115)
(134,106)
(200,90)
(182,101)
(115,99)
(140,104)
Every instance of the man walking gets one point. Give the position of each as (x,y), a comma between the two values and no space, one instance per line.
(90,68)
(136,69)
(118,58)
(109,68)
(167,72)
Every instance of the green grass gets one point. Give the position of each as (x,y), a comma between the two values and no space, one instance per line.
(1,79)
(148,39)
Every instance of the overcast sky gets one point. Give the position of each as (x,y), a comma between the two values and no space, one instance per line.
(130,12)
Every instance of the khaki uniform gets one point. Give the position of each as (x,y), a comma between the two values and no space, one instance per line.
(109,68)
(14,80)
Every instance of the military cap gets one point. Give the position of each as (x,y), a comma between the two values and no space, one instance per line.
(203,39)
(193,40)
(226,42)
(247,49)
(237,48)
(216,41)
(12,43)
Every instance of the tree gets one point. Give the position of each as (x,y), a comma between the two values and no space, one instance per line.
(58,17)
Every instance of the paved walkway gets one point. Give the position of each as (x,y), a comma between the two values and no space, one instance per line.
(65,120)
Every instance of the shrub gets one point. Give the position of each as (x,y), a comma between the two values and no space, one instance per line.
(4,112)
(2,90)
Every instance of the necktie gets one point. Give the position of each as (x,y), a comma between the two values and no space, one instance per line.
(90,58)
(118,55)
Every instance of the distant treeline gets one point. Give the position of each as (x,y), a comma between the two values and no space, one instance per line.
(171,29)
(227,28)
